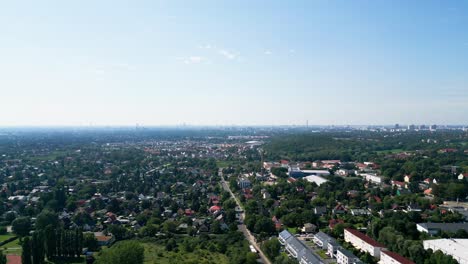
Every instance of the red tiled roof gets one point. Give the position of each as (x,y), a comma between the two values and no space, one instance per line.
(399,183)
(103,238)
(397,257)
(366,239)
(188,212)
(377,199)
(214,208)
(248,196)
(291,180)
(333,222)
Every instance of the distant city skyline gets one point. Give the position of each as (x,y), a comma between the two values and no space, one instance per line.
(165,63)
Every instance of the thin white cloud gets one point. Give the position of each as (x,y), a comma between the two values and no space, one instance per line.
(98,71)
(292,51)
(267,52)
(227,54)
(194,60)
(123,66)
(206,46)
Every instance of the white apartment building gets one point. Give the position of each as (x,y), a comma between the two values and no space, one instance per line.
(388,257)
(373,178)
(363,242)
(343,256)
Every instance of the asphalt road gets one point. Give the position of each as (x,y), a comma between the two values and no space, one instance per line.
(247,234)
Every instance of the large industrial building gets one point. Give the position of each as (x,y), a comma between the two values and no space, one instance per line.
(457,248)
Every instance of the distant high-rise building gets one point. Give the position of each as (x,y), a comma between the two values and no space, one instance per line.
(433,127)
(397,126)
(422,127)
(411,127)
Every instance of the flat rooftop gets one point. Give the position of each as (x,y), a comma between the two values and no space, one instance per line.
(457,248)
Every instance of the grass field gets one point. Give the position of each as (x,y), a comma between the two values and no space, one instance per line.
(322,254)
(292,230)
(155,253)
(5,237)
(12,248)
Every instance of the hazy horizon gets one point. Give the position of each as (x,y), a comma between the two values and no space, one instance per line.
(262,63)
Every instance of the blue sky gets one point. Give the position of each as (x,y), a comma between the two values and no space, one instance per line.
(233,62)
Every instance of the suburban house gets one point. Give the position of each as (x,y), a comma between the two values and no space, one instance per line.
(320,210)
(463,176)
(399,184)
(357,212)
(342,172)
(413,208)
(373,178)
(244,183)
(363,242)
(284,163)
(408,178)
(104,240)
(339,209)
(309,228)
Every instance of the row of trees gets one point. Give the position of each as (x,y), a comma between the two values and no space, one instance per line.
(53,243)
(63,243)
(33,249)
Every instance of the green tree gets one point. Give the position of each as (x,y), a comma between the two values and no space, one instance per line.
(251,258)
(90,242)
(416,252)
(440,258)
(264,224)
(51,241)
(3,259)
(27,251)
(37,246)
(46,218)
(61,197)
(271,248)
(79,241)
(216,228)
(21,226)
(171,244)
(119,232)
(122,253)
